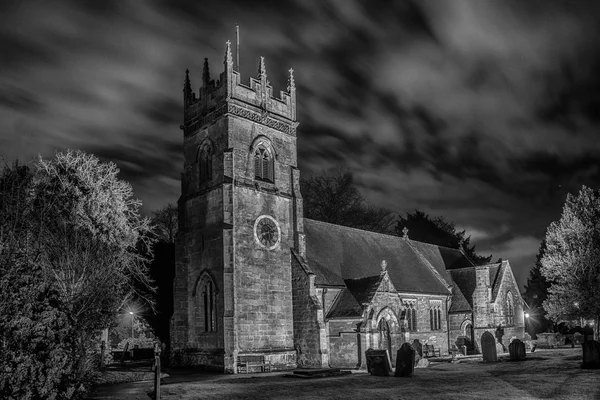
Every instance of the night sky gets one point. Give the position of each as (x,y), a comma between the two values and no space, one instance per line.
(484,112)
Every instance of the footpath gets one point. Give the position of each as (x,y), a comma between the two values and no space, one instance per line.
(139,390)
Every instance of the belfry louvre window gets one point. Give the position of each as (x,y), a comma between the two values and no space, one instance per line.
(205,164)
(263,165)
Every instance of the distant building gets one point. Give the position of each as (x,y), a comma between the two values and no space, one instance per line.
(253,277)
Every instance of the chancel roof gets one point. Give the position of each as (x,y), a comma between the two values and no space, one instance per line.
(337,253)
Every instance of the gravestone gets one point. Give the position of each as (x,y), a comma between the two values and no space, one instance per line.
(405,361)
(488,347)
(516,348)
(591,355)
(499,348)
(423,363)
(418,347)
(378,362)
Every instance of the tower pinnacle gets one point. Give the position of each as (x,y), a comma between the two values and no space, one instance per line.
(228,56)
(291,84)
(262,69)
(205,74)
(187,88)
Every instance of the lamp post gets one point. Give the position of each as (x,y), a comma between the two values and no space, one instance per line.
(526,319)
(132,315)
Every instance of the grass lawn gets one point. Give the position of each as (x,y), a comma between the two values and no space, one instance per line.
(546,374)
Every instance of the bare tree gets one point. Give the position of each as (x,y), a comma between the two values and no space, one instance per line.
(164,221)
(334,198)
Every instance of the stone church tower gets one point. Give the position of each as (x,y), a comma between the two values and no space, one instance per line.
(240,215)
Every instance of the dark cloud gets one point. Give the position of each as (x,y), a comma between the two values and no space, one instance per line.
(484,112)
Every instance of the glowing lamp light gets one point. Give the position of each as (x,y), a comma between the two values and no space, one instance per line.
(526,315)
(131,312)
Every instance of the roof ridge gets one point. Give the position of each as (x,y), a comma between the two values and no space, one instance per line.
(356,229)
(475,266)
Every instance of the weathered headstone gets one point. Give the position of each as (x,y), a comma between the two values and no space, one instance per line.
(499,348)
(405,361)
(418,347)
(488,347)
(591,355)
(378,362)
(423,363)
(516,348)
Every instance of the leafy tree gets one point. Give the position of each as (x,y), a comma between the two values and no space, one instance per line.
(93,241)
(334,198)
(571,262)
(438,231)
(72,239)
(536,292)
(37,351)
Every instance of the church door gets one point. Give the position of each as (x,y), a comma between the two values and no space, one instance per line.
(385,338)
(469,334)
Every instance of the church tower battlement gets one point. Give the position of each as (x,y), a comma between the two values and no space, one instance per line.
(261,105)
(240,217)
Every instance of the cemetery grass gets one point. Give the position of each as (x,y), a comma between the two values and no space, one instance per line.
(546,374)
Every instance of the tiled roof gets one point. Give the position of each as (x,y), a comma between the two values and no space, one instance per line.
(338,253)
(459,302)
(363,289)
(496,273)
(345,306)
(465,280)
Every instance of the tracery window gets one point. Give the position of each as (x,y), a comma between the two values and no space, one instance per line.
(263,165)
(510,310)
(435,317)
(411,317)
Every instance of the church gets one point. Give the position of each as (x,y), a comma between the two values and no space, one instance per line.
(253,277)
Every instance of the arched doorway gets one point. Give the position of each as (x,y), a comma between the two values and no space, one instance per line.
(470,335)
(385,337)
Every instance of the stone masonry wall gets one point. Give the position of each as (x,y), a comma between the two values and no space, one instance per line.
(306,324)
(263,318)
(344,342)
(481,297)
(199,253)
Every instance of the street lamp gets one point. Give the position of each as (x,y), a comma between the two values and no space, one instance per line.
(131,312)
(526,319)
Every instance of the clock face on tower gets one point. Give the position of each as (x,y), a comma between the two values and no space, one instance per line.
(266,232)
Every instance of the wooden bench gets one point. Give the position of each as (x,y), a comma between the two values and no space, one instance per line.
(430,351)
(245,363)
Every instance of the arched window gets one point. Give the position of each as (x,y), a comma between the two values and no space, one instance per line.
(205,163)
(510,310)
(263,165)
(206,305)
(435,317)
(411,317)
(209,307)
